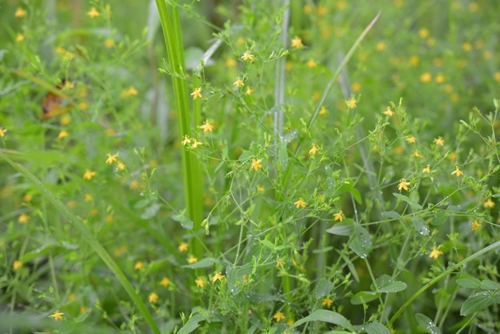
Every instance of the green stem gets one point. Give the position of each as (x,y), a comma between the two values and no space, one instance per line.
(440,276)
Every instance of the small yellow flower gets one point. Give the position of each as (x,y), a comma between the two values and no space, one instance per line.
(411,139)
(109,43)
(426,77)
(416,154)
(57,315)
(351,103)
(20,12)
(16,265)
(120,166)
(439,78)
(427,169)
(356,87)
(27,198)
(249,90)
(279,316)
(230,62)
(256,164)
(23,219)
(196,143)
(439,141)
(153,298)
(311,63)
(297,42)
(239,83)
(63,134)
(300,203)
(457,172)
(72,297)
(217,276)
(323,110)
(83,309)
(435,252)
(496,76)
(326,302)
(109,218)
(466,47)
(138,265)
(403,184)
(19,37)
(207,127)
(475,225)
(88,197)
(196,93)
(423,33)
(183,247)
(381,46)
(414,60)
(129,91)
(489,204)
(280,262)
(247,56)
(200,282)
(111,158)
(2,132)
(71,204)
(260,188)
(191,259)
(313,150)
(388,112)
(338,216)
(165,282)
(89,174)
(93,12)
(186,140)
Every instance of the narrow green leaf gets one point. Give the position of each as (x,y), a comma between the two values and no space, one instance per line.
(192,324)
(323,288)
(489,285)
(345,228)
(376,328)
(204,263)
(364,297)
(471,283)
(325,316)
(391,214)
(413,205)
(427,324)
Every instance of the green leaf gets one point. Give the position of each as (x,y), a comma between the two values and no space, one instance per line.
(268,244)
(361,242)
(235,276)
(95,245)
(440,218)
(192,324)
(345,228)
(204,263)
(471,283)
(376,328)
(184,220)
(51,248)
(476,303)
(489,285)
(323,288)
(414,205)
(364,297)
(357,196)
(391,214)
(427,324)
(420,226)
(325,316)
(394,287)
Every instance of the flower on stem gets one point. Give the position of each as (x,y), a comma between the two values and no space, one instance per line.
(403,184)
(300,203)
(57,315)
(457,172)
(63,134)
(247,56)
(186,140)
(93,12)
(191,259)
(338,216)
(326,302)
(239,83)
(111,158)
(200,282)
(2,132)
(88,174)
(256,164)
(196,143)
(279,316)
(16,265)
(351,103)
(435,252)
(249,90)
(489,204)
(280,262)
(183,247)
(475,225)
(19,37)
(20,12)
(411,139)
(416,154)
(23,219)
(207,127)
(439,141)
(388,112)
(196,93)
(165,282)
(311,63)
(153,298)
(129,91)
(88,197)
(297,42)
(217,276)
(313,150)
(427,169)
(120,166)
(138,265)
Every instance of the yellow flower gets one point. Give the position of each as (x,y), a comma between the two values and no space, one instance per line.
(467,47)
(381,46)
(351,103)
(2,132)
(138,265)
(439,141)
(109,218)
(23,218)
(83,309)
(217,276)
(89,174)
(388,112)
(475,225)
(496,76)
(27,198)
(165,282)
(57,315)
(120,166)
(111,158)
(311,63)
(280,262)
(239,83)
(435,253)
(279,316)
(411,139)
(427,169)
(489,204)
(300,203)
(19,37)
(71,204)
(247,56)
(439,78)
(403,184)
(196,143)
(129,91)
(207,127)
(457,172)
(230,62)
(426,77)
(297,42)
(338,216)
(63,134)
(183,247)
(327,301)
(423,33)
(260,188)
(93,12)
(249,90)
(256,164)
(72,297)
(16,265)
(88,197)
(20,12)
(200,282)
(414,60)
(313,150)
(356,87)
(109,42)
(153,298)
(191,259)
(416,154)
(196,93)
(186,140)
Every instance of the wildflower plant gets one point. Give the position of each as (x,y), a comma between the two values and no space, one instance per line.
(272,167)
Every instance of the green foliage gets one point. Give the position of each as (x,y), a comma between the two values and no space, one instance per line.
(255,169)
